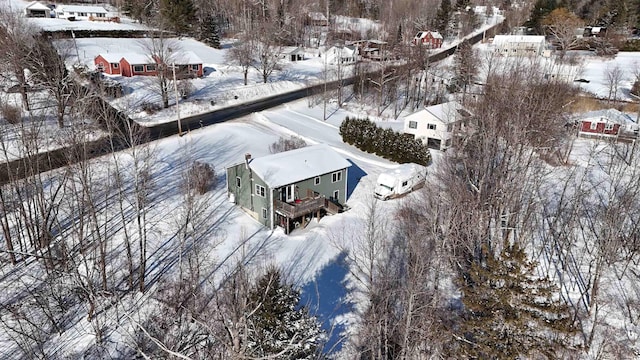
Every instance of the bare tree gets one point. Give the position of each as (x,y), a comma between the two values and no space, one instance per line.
(241,54)
(614,76)
(266,52)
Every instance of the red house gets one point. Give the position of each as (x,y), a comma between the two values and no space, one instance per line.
(108,63)
(432,39)
(187,64)
(609,123)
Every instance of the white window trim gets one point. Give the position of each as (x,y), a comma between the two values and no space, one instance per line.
(432,126)
(414,123)
(336,194)
(154,67)
(195,67)
(593,126)
(115,65)
(336,177)
(316,181)
(264,213)
(238,182)
(608,126)
(138,71)
(260,190)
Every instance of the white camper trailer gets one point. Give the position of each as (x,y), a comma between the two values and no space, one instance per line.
(400,180)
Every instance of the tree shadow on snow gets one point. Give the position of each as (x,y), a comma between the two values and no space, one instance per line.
(354,174)
(325,297)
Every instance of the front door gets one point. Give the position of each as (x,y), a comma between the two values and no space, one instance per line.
(290,192)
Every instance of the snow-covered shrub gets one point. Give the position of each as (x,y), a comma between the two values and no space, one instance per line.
(395,146)
(201,177)
(185,88)
(11,113)
(286,144)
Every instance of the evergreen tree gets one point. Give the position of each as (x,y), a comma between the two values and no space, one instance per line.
(280,327)
(443,17)
(465,66)
(178,15)
(541,9)
(508,312)
(210,31)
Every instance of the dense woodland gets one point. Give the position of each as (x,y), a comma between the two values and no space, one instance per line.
(510,251)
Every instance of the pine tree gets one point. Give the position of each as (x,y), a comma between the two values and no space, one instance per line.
(508,312)
(280,326)
(210,31)
(178,15)
(443,17)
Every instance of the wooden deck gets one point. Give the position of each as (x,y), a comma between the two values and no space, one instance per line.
(303,208)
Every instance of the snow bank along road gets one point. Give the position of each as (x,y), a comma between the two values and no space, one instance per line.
(20,168)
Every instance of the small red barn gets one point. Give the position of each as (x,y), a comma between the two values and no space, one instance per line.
(606,124)
(186,63)
(432,39)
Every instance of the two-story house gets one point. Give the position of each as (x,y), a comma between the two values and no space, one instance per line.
(519,45)
(431,39)
(287,189)
(435,125)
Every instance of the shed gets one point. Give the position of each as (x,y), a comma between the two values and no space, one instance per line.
(37,9)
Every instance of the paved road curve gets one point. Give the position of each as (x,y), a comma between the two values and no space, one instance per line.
(21,168)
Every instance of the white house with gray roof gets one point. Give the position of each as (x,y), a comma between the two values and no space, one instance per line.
(289,188)
(80,12)
(435,125)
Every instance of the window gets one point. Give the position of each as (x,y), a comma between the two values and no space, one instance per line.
(99,15)
(115,65)
(594,125)
(336,195)
(404,183)
(608,127)
(336,176)
(82,14)
(431,126)
(151,67)
(413,124)
(264,213)
(238,182)
(195,67)
(316,181)
(138,68)
(260,190)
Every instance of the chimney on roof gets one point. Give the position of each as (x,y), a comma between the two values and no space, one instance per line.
(247,158)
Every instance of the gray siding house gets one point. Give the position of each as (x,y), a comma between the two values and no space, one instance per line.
(289,188)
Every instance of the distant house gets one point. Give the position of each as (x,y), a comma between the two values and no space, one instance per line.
(431,39)
(342,55)
(187,64)
(519,45)
(80,12)
(594,31)
(292,53)
(37,9)
(372,49)
(435,125)
(317,19)
(289,188)
(610,123)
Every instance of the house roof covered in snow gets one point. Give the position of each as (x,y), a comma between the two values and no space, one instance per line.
(446,113)
(510,39)
(423,34)
(608,115)
(186,58)
(112,57)
(296,165)
(137,59)
(37,6)
(291,50)
(81,9)
(318,16)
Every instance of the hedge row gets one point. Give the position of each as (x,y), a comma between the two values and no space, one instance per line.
(398,147)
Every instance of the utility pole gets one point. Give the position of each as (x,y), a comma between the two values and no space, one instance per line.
(326,69)
(175,89)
